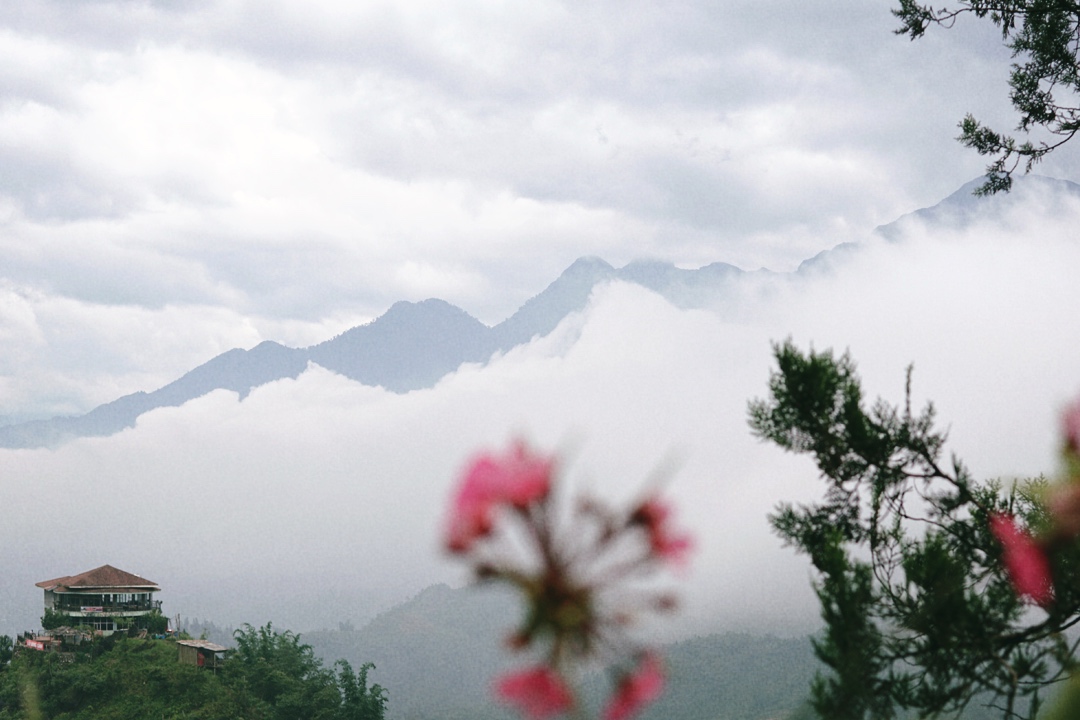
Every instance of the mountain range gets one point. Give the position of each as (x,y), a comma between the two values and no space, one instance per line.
(437,654)
(414,344)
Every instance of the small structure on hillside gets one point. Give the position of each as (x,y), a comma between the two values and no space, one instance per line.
(104,599)
(64,641)
(42,643)
(201,653)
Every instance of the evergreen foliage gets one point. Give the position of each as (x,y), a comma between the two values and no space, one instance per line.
(155,623)
(271,675)
(919,614)
(1045,36)
(53,619)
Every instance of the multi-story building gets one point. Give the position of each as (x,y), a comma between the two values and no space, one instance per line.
(104,599)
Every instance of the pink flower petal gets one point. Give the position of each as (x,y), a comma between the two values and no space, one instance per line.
(636,690)
(654,515)
(537,693)
(516,478)
(1024,560)
(525,477)
(470,514)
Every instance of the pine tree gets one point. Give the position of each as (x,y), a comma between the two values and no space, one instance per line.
(919,613)
(1044,36)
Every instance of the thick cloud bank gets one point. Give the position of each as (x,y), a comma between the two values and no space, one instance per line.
(181,178)
(319,500)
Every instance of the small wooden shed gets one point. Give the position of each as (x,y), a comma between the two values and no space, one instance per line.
(201,653)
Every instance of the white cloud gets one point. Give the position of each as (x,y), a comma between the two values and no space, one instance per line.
(64,356)
(358,139)
(317,499)
(177,179)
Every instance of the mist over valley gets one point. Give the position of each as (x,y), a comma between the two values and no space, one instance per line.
(315,499)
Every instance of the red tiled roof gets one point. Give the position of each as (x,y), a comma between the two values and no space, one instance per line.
(105,576)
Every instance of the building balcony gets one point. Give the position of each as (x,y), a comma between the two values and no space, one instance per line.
(114,610)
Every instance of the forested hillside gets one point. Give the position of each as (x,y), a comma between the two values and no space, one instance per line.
(270,674)
(437,655)
(438,652)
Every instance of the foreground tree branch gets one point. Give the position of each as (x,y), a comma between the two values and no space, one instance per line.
(1044,37)
(919,612)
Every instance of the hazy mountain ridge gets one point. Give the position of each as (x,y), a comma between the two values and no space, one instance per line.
(957,211)
(410,347)
(963,206)
(436,655)
(414,344)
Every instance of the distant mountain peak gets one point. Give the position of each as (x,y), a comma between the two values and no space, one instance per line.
(428,304)
(407,309)
(963,206)
(587,264)
(415,344)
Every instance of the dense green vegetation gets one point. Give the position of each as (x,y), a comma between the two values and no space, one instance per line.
(270,675)
(920,616)
(438,652)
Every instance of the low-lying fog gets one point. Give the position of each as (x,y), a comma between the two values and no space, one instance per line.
(319,500)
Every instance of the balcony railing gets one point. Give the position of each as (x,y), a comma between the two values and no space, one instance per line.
(112,608)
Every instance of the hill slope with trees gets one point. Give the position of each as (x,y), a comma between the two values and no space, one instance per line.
(270,674)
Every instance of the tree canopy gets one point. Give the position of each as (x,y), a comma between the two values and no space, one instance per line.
(919,613)
(1044,37)
(288,682)
(270,675)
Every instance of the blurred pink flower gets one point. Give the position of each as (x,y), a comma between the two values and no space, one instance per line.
(636,690)
(1024,560)
(581,557)
(516,478)
(521,477)
(538,692)
(665,544)
(470,513)
(1070,423)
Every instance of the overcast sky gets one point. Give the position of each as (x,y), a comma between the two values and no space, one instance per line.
(319,500)
(180,178)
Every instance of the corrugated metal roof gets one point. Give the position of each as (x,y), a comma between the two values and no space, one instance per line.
(203,644)
(104,577)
